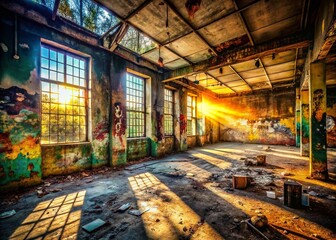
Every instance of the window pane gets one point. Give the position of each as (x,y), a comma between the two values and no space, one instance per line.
(62,118)
(135,106)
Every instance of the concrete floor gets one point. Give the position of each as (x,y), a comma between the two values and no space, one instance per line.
(187,195)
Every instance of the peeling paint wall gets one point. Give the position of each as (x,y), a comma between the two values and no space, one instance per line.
(65,159)
(20,151)
(138,148)
(23,161)
(267,118)
(331,117)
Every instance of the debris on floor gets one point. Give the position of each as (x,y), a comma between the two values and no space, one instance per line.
(271,194)
(268,149)
(123,207)
(92,226)
(7,214)
(261,160)
(204,185)
(240,182)
(259,220)
(137,213)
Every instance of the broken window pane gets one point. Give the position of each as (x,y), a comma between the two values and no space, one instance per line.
(88,14)
(137,42)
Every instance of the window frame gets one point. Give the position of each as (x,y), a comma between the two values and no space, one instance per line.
(136,111)
(191,118)
(169,114)
(66,52)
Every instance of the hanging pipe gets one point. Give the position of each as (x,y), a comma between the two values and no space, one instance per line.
(16,56)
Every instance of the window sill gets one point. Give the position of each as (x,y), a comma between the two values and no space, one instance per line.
(136,138)
(64,144)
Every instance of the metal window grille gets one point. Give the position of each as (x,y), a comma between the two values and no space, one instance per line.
(135,106)
(191,115)
(168,111)
(64,78)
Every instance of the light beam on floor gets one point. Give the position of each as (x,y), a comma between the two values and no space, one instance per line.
(57,218)
(168,216)
(214,161)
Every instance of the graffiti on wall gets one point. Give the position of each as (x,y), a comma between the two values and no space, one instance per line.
(269,131)
(331,117)
(119,128)
(183,124)
(20,153)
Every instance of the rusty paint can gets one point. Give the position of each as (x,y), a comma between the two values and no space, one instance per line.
(292,194)
(239,181)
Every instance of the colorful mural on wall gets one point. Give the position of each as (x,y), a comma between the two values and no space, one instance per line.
(269,131)
(331,117)
(20,152)
(318,141)
(264,118)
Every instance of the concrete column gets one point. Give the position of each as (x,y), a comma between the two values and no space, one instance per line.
(297,116)
(304,123)
(118,143)
(317,112)
(183,120)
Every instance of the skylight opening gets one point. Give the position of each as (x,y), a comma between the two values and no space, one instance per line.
(137,42)
(87,14)
(48,3)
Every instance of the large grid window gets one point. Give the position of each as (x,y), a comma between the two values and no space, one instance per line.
(64,96)
(168,111)
(135,106)
(191,115)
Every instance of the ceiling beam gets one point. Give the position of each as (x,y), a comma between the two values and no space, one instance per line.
(178,14)
(242,19)
(241,78)
(262,64)
(221,82)
(244,54)
(55,9)
(118,36)
(190,85)
(110,30)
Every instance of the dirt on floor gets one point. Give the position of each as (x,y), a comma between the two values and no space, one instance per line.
(182,196)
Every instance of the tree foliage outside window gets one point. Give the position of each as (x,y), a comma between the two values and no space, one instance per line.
(47,3)
(88,14)
(191,115)
(137,42)
(168,111)
(135,106)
